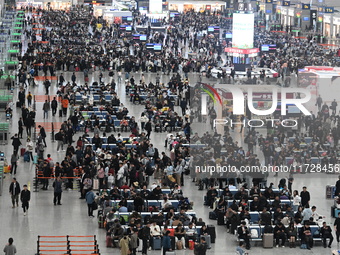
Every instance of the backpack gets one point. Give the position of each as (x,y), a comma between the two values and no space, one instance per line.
(148,169)
(140,233)
(57,136)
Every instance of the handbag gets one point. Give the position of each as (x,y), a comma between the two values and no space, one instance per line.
(94,206)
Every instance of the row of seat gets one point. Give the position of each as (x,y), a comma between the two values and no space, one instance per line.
(126,215)
(234,191)
(112,147)
(122,191)
(147,204)
(258,231)
(104,139)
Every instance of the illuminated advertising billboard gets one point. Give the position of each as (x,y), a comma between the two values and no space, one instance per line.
(243,30)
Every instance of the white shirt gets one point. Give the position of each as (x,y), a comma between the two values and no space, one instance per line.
(155,230)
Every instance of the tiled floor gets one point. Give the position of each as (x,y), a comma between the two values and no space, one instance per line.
(71,218)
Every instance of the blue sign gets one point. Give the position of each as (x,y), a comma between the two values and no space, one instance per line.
(329,9)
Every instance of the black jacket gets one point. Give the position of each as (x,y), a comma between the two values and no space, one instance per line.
(16,190)
(25,196)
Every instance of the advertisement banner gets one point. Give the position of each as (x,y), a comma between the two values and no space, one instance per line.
(243,30)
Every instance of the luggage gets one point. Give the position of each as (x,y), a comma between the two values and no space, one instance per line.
(173,243)
(27,157)
(220,218)
(200,185)
(179,245)
(7,169)
(60,113)
(268,240)
(35,159)
(100,221)
(156,243)
(208,241)
(18,104)
(191,245)
(95,184)
(22,152)
(109,242)
(212,216)
(212,232)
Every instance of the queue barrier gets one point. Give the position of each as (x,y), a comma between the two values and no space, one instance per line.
(68,245)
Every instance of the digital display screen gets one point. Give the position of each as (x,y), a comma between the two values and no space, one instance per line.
(305,18)
(228,35)
(293,109)
(135,37)
(210,29)
(149,46)
(243,30)
(128,28)
(265,48)
(126,18)
(157,47)
(122,27)
(268,11)
(142,37)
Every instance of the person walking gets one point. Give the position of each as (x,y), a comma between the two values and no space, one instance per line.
(29,148)
(89,197)
(16,142)
(14,191)
(166,242)
(46,108)
(146,235)
(29,98)
(57,185)
(54,106)
(42,134)
(337,228)
(47,85)
(124,245)
(20,127)
(73,78)
(14,162)
(10,248)
(25,198)
(8,82)
(148,128)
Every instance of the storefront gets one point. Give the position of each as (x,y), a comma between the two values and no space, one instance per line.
(112,15)
(198,6)
(55,5)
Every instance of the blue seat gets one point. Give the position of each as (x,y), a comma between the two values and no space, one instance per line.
(174,203)
(155,203)
(116,123)
(308,140)
(254,217)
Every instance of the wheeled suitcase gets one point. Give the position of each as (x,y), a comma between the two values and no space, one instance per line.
(27,157)
(60,113)
(268,240)
(18,104)
(22,152)
(212,232)
(157,243)
(101,221)
(207,241)
(35,159)
(109,241)
(220,218)
(212,216)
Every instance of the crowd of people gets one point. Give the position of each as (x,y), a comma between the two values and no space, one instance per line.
(127,160)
